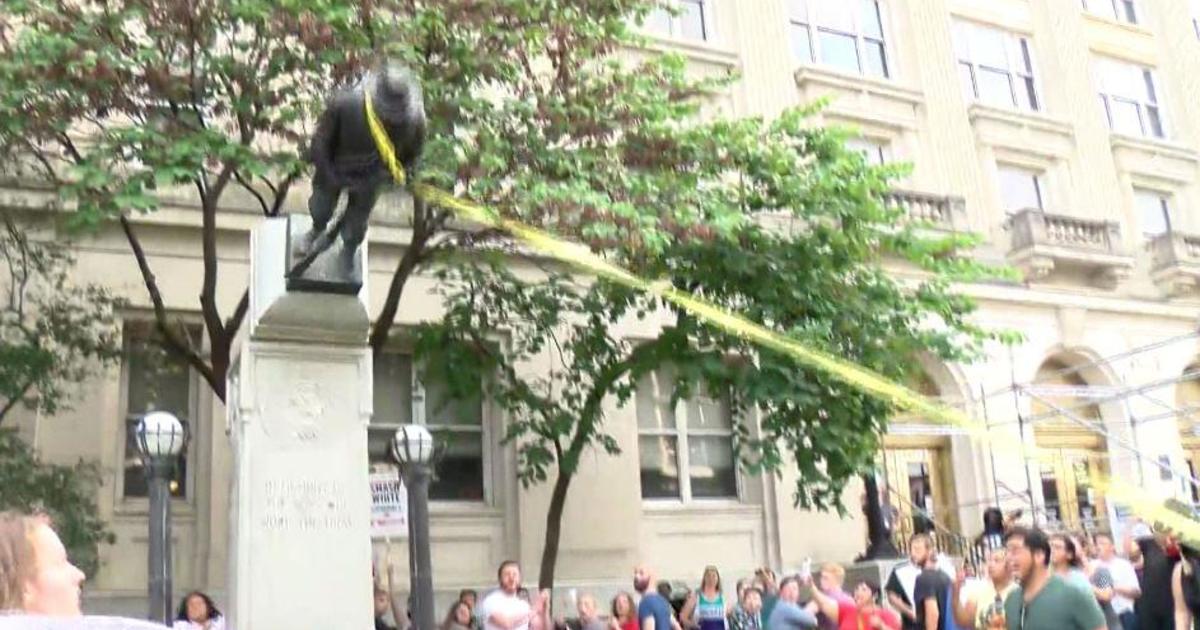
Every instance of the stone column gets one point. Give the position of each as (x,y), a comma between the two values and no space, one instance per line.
(298,407)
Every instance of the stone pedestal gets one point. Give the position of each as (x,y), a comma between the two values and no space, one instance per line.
(298,406)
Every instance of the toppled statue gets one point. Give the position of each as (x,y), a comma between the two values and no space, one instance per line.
(346,158)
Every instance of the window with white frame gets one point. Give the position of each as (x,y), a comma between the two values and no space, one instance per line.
(685,19)
(1120,10)
(457,426)
(1020,188)
(1154,212)
(996,66)
(875,153)
(844,34)
(1129,98)
(685,449)
(155,379)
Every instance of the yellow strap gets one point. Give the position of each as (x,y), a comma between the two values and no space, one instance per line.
(855,375)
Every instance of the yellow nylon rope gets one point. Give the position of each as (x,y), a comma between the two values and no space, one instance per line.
(855,375)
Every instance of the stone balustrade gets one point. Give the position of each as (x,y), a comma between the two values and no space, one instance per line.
(942,212)
(1176,262)
(1043,243)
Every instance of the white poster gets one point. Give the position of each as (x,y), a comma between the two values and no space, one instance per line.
(389,505)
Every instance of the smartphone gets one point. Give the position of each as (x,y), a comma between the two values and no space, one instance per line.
(806,568)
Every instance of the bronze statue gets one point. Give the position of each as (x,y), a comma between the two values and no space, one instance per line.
(346,158)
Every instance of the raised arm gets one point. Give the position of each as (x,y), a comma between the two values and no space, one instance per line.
(825,603)
(964,614)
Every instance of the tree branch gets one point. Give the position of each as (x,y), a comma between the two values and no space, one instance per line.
(408,263)
(589,416)
(40,156)
(239,314)
(281,193)
(171,338)
(12,402)
(16,302)
(208,240)
(257,195)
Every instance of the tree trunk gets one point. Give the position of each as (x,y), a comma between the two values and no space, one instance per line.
(405,268)
(558,501)
(220,366)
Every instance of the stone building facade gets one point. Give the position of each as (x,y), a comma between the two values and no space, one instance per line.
(1065,132)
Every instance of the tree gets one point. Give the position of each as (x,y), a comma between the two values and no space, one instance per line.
(534,113)
(819,273)
(116,102)
(66,493)
(54,334)
(555,418)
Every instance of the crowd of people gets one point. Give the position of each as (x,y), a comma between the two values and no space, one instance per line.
(1029,580)
(1026,579)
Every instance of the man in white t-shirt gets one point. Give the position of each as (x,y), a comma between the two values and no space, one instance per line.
(1125,581)
(503,609)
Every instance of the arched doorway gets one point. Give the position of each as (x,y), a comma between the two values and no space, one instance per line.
(1075,454)
(1187,402)
(918,468)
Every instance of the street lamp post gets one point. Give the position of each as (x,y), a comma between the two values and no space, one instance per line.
(413,449)
(160,438)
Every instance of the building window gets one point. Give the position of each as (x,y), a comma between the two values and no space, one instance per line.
(155,380)
(995,65)
(457,427)
(1129,98)
(842,34)
(693,435)
(686,19)
(1020,188)
(875,153)
(1154,210)
(1120,10)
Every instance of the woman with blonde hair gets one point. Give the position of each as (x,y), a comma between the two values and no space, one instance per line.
(706,608)
(35,576)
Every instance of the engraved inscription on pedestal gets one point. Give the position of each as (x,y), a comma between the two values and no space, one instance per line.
(304,505)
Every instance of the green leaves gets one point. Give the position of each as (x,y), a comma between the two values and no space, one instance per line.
(546,111)
(66,493)
(54,333)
